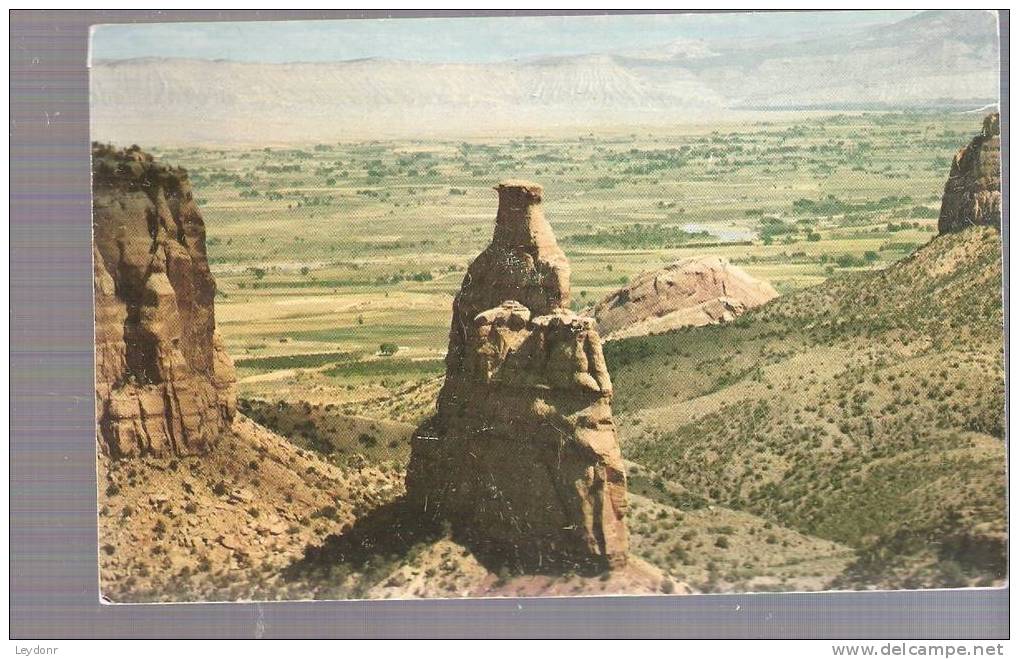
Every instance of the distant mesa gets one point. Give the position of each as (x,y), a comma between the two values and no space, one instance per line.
(521,457)
(164,382)
(697,291)
(950,60)
(973,191)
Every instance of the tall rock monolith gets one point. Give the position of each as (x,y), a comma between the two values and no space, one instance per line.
(521,457)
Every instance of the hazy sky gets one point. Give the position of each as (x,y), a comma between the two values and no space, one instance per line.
(455,39)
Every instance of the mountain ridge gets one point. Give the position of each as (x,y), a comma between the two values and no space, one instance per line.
(910,64)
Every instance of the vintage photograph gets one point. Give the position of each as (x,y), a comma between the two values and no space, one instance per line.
(523,306)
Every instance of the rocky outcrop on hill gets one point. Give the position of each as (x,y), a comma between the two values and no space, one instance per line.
(973,191)
(225,525)
(522,456)
(692,292)
(164,383)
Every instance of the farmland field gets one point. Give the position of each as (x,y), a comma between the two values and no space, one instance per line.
(325,252)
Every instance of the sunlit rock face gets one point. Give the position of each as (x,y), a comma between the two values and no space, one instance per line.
(164,382)
(522,456)
(696,291)
(973,191)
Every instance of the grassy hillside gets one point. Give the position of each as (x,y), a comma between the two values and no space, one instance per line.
(327,430)
(868,411)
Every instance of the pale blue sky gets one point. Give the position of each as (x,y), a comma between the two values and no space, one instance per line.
(456,39)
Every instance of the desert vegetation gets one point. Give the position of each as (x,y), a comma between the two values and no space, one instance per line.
(853,412)
(848,434)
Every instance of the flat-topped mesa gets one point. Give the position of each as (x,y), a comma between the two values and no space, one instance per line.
(164,382)
(973,191)
(521,457)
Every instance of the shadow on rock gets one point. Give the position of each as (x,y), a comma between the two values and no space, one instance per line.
(349,563)
(388,535)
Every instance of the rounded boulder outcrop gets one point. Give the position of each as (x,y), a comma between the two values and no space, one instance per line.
(696,291)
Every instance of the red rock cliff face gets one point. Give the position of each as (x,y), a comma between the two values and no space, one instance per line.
(164,383)
(973,191)
(522,456)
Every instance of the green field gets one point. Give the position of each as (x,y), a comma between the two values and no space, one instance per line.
(339,248)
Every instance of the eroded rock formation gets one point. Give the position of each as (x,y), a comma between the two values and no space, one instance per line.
(692,292)
(522,456)
(973,191)
(164,383)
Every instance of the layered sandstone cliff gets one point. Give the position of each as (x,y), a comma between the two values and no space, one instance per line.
(973,191)
(689,293)
(164,383)
(522,456)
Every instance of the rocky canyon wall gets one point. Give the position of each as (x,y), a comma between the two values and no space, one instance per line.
(973,191)
(164,383)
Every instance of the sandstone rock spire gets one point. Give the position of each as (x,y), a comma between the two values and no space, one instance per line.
(521,457)
(164,383)
(522,263)
(973,191)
